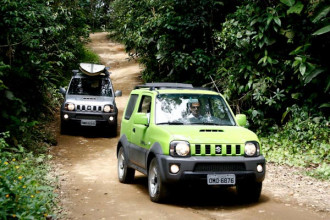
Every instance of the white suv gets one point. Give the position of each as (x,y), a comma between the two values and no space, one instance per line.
(90,100)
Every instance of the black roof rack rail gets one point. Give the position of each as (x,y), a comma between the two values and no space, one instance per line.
(204,88)
(153,86)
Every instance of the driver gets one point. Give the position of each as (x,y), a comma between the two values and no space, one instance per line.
(194,108)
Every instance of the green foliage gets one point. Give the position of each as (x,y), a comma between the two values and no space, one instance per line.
(25,191)
(172,38)
(303,141)
(88,56)
(96,13)
(270,58)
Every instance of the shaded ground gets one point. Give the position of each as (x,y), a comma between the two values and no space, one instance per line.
(86,166)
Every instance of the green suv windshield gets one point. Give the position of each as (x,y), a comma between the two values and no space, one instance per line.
(192,109)
(86,86)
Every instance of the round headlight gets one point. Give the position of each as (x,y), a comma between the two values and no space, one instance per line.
(106,108)
(70,107)
(182,149)
(250,149)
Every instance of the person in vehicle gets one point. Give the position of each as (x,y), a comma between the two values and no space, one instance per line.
(194,109)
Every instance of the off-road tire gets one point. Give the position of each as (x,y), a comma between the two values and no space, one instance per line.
(156,187)
(125,174)
(64,128)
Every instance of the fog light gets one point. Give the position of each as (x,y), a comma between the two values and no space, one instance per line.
(65,116)
(259,168)
(111,118)
(174,168)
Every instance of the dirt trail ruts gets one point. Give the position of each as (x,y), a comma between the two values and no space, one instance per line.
(86,166)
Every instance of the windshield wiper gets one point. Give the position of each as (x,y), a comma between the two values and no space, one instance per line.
(170,123)
(204,123)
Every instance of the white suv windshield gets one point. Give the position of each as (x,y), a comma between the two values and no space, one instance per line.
(90,86)
(192,109)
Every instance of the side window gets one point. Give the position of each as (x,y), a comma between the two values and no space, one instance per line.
(130,106)
(145,104)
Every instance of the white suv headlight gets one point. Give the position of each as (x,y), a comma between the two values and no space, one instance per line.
(69,106)
(107,108)
(251,149)
(180,148)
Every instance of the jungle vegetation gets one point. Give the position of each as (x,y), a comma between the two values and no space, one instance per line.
(269,58)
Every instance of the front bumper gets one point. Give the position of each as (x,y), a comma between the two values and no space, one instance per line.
(196,168)
(102,119)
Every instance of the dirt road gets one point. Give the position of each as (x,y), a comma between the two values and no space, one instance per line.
(86,166)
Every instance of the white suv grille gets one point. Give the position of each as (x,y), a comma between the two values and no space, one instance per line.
(89,108)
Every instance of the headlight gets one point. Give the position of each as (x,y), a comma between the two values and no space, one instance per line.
(179,148)
(251,149)
(107,108)
(69,106)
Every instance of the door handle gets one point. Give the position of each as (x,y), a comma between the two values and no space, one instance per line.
(134,130)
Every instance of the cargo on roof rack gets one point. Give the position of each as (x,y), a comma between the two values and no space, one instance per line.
(92,69)
(153,86)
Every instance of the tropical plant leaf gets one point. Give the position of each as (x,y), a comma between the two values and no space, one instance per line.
(285,114)
(321,14)
(295,95)
(313,74)
(325,105)
(323,30)
(328,85)
(289,3)
(296,9)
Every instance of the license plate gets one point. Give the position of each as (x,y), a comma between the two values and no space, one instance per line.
(221,179)
(88,123)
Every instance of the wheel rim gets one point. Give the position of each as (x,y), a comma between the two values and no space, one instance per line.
(153,181)
(121,165)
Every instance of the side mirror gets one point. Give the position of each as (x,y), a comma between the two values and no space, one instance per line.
(62,91)
(141,119)
(118,93)
(241,119)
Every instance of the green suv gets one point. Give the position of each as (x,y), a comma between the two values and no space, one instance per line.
(175,133)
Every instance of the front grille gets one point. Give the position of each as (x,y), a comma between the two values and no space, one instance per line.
(91,117)
(89,108)
(219,167)
(207,149)
(217,149)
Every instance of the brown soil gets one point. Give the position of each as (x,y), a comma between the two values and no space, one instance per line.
(86,167)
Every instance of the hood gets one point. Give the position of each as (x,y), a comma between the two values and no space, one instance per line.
(210,134)
(91,100)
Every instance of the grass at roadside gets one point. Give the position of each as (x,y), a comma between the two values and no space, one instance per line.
(303,142)
(26,190)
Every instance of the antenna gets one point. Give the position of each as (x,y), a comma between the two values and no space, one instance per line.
(214,84)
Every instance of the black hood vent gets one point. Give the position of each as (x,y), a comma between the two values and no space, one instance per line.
(210,130)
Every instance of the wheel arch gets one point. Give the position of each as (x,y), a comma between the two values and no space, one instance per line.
(155,150)
(123,142)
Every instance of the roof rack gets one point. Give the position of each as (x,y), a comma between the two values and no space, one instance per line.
(153,86)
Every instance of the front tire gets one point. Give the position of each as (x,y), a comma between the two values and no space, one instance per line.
(249,191)
(64,128)
(125,174)
(157,189)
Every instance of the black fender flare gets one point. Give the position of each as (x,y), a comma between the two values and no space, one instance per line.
(123,142)
(154,151)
